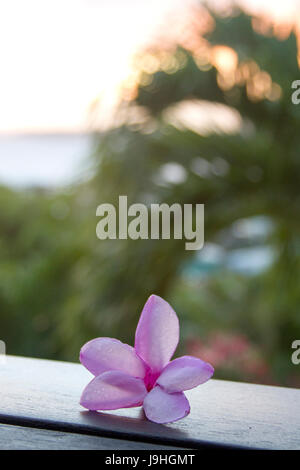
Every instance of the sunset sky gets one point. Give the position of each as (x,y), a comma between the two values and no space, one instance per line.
(59,56)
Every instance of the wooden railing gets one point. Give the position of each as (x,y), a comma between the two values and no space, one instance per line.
(39,409)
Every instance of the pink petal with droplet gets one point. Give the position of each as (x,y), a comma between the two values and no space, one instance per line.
(157,333)
(162,407)
(184,373)
(112,390)
(102,354)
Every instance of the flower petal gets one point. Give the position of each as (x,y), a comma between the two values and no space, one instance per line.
(157,333)
(162,407)
(184,373)
(102,354)
(112,390)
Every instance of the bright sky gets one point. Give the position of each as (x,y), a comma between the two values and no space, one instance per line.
(58,56)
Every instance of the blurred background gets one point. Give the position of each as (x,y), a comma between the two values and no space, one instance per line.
(174,101)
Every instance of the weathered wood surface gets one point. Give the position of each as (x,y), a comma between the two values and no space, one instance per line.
(25,438)
(45,394)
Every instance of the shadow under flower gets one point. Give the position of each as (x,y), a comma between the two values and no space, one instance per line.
(133,426)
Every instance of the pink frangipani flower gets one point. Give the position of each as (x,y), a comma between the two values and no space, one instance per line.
(143,375)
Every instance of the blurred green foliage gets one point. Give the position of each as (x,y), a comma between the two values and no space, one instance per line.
(60,286)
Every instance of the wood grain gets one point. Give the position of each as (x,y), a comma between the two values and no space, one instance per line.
(46,393)
(25,438)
